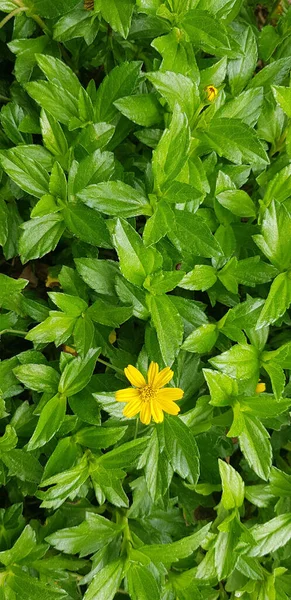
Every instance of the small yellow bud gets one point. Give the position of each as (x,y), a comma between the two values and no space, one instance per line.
(211,92)
(112,336)
(69,350)
(279,9)
(261,387)
(51,282)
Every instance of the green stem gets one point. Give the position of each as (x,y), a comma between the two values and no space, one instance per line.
(136,428)
(41,24)
(12,14)
(107,364)
(16,331)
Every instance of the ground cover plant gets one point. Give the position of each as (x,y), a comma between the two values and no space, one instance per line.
(145,231)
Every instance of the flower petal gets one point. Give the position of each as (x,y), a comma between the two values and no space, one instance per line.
(163,377)
(126,395)
(132,408)
(152,373)
(134,376)
(157,412)
(170,394)
(145,413)
(169,406)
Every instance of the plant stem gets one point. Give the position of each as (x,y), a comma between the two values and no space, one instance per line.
(12,14)
(107,364)
(136,428)
(16,331)
(41,24)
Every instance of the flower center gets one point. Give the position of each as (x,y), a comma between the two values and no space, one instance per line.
(147,393)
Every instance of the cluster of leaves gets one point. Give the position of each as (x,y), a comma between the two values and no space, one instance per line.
(146,176)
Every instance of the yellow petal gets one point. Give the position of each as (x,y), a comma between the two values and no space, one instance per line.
(145,413)
(170,394)
(261,387)
(134,376)
(157,412)
(132,408)
(169,406)
(163,377)
(126,395)
(152,373)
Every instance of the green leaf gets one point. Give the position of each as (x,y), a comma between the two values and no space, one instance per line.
(271,535)
(201,278)
(108,314)
(207,33)
(280,483)
(274,240)
(99,437)
(78,372)
(124,456)
(240,362)
(232,486)
(283,97)
(241,69)
(253,271)
(272,74)
(171,553)
(30,588)
(144,109)
(87,225)
(193,235)
(71,305)
(172,151)
(30,175)
(222,387)
(115,198)
(168,325)
(21,548)
(10,292)
(142,583)
(238,202)
(120,82)
(236,141)
(86,538)
(277,302)
(159,224)
(176,88)
(56,328)
(50,420)
(136,261)
(255,445)
(202,339)
(55,100)
(23,465)
(98,274)
(118,14)
(247,107)
(52,134)
(38,377)
(40,235)
(182,449)
(106,582)
(97,167)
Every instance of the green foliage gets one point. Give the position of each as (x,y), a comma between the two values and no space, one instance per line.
(145,216)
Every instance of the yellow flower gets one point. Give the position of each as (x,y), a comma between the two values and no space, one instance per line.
(261,387)
(211,92)
(147,397)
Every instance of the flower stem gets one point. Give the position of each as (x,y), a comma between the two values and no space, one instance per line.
(136,428)
(12,14)
(16,331)
(41,24)
(107,364)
